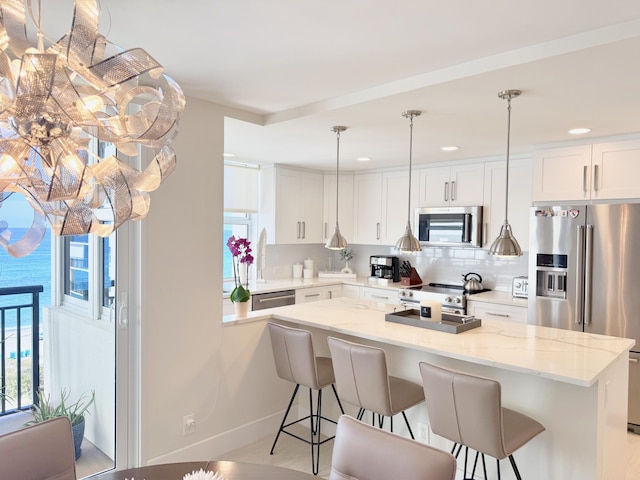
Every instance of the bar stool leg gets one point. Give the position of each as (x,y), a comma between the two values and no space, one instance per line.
(515,468)
(333,386)
(284,419)
(408,426)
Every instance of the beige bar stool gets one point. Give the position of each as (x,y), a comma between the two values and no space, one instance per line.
(296,362)
(467,410)
(362,380)
(362,451)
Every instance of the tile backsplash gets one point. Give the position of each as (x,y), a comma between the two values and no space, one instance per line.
(444,265)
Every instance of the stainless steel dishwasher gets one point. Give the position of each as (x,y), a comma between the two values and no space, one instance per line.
(260,301)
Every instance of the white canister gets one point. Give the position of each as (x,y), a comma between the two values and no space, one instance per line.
(297,271)
(431,310)
(308,264)
(307,273)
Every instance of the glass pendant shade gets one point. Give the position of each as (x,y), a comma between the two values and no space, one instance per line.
(408,243)
(506,244)
(337,241)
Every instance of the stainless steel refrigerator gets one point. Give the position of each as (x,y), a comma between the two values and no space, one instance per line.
(584,274)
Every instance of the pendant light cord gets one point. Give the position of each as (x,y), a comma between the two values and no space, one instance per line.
(337,172)
(506,198)
(410,166)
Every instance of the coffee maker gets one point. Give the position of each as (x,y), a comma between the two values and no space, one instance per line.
(385,266)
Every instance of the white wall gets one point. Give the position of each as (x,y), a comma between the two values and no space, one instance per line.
(190,363)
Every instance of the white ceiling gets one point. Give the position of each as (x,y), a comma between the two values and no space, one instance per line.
(297,67)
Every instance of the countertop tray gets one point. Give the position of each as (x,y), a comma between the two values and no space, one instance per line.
(451,323)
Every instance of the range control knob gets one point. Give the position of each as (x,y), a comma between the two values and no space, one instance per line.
(458,300)
(448,299)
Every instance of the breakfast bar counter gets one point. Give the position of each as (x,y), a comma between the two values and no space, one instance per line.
(574,383)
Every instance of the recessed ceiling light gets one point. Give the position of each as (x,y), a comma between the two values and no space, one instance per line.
(579,131)
(227,154)
(451,148)
(363,159)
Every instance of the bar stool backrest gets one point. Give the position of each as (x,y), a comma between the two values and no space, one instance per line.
(361,375)
(294,355)
(364,452)
(465,409)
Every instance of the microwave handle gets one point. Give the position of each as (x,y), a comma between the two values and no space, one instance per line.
(467,228)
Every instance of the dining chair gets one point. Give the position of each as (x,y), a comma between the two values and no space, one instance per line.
(362,380)
(43,451)
(361,451)
(296,362)
(467,409)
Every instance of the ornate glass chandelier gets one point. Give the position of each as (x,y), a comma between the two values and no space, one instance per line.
(56,101)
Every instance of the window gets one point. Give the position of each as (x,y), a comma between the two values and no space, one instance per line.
(237,224)
(76,266)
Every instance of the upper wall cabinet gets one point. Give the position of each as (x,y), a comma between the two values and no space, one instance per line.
(458,185)
(519,200)
(603,171)
(380,206)
(345,205)
(291,205)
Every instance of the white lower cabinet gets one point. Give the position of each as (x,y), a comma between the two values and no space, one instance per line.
(313,294)
(497,311)
(379,295)
(351,291)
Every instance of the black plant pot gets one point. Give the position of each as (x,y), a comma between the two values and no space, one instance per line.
(78,435)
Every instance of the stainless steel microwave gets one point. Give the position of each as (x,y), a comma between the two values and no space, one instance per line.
(449,226)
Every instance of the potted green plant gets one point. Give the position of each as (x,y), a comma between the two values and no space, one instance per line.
(45,409)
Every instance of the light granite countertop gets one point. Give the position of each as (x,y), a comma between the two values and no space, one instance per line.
(562,355)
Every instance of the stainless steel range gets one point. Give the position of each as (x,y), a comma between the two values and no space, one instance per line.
(453,297)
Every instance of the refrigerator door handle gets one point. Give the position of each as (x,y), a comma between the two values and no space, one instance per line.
(588,273)
(580,276)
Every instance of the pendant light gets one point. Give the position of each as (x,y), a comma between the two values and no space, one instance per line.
(337,241)
(408,243)
(506,245)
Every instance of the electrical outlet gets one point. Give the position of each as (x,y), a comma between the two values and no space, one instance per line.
(423,431)
(189,424)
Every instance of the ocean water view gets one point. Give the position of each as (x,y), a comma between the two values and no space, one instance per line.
(34,269)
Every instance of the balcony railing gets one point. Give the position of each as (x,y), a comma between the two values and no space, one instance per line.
(19,324)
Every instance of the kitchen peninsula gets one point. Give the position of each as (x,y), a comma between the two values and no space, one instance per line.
(575,384)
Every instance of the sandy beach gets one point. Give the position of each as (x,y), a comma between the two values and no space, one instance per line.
(11,342)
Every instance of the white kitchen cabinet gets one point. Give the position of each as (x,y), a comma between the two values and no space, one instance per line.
(616,168)
(351,291)
(291,205)
(313,294)
(379,295)
(367,208)
(562,174)
(603,171)
(380,206)
(497,311)
(456,185)
(519,200)
(345,206)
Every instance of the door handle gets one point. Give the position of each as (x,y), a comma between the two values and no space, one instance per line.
(588,273)
(505,315)
(596,179)
(580,276)
(304,229)
(298,230)
(584,178)
(123,311)
(378,231)
(633,360)
(453,191)
(325,229)
(446,191)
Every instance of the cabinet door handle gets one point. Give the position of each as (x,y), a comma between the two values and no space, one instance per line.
(485,227)
(633,360)
(453,191)
(309,295)
(446,191)
(378,231)
(596,178)
(325,230)
(298,230)
(505,315)
(584,178)
(381,297)
(304,229)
